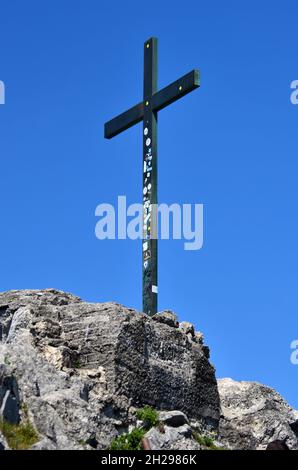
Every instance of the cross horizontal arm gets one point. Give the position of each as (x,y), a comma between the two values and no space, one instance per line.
(160,100)
(124,121)
(176,90)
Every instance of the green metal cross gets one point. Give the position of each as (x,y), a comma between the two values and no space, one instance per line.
(146,111)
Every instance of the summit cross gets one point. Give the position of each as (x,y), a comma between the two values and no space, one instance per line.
(146,111)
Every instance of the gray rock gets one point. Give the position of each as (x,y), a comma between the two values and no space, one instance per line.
(255,416)
(185,444)
(9,397)
(44,444)
(199,337)
(80,368)
(173,418)
(3,443)
(187,328)
(171,438)
(167,317)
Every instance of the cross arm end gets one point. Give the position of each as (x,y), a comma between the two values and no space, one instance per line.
(176,90)
(123,121)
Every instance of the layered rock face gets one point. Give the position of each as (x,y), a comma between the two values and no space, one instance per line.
(256,417)
(78,372)
(80,369)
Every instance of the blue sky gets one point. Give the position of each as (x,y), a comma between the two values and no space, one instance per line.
(69,66)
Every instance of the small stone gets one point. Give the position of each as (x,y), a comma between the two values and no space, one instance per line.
(168,439)
(173,418)
(187,328)
(167,317)
(199,337)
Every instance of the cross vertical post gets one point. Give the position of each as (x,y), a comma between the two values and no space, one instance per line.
(149,249)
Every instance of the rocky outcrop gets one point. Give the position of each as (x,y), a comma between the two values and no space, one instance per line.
(78,372)
(81,369)
(255,417)
(172,433)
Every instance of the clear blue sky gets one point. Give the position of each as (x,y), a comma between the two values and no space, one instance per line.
(68,67)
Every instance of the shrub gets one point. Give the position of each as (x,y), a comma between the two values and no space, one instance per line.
(149,416)
(206,441)
(131,441)
(19,436)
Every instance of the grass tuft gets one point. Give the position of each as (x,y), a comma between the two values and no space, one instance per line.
(19,436)
(130,441)
(206,442)
(149,416)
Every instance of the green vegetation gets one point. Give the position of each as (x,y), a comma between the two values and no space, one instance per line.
(206,442)
(131,441)
(82,442)
(25,410)
(19,436)
(149,416)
